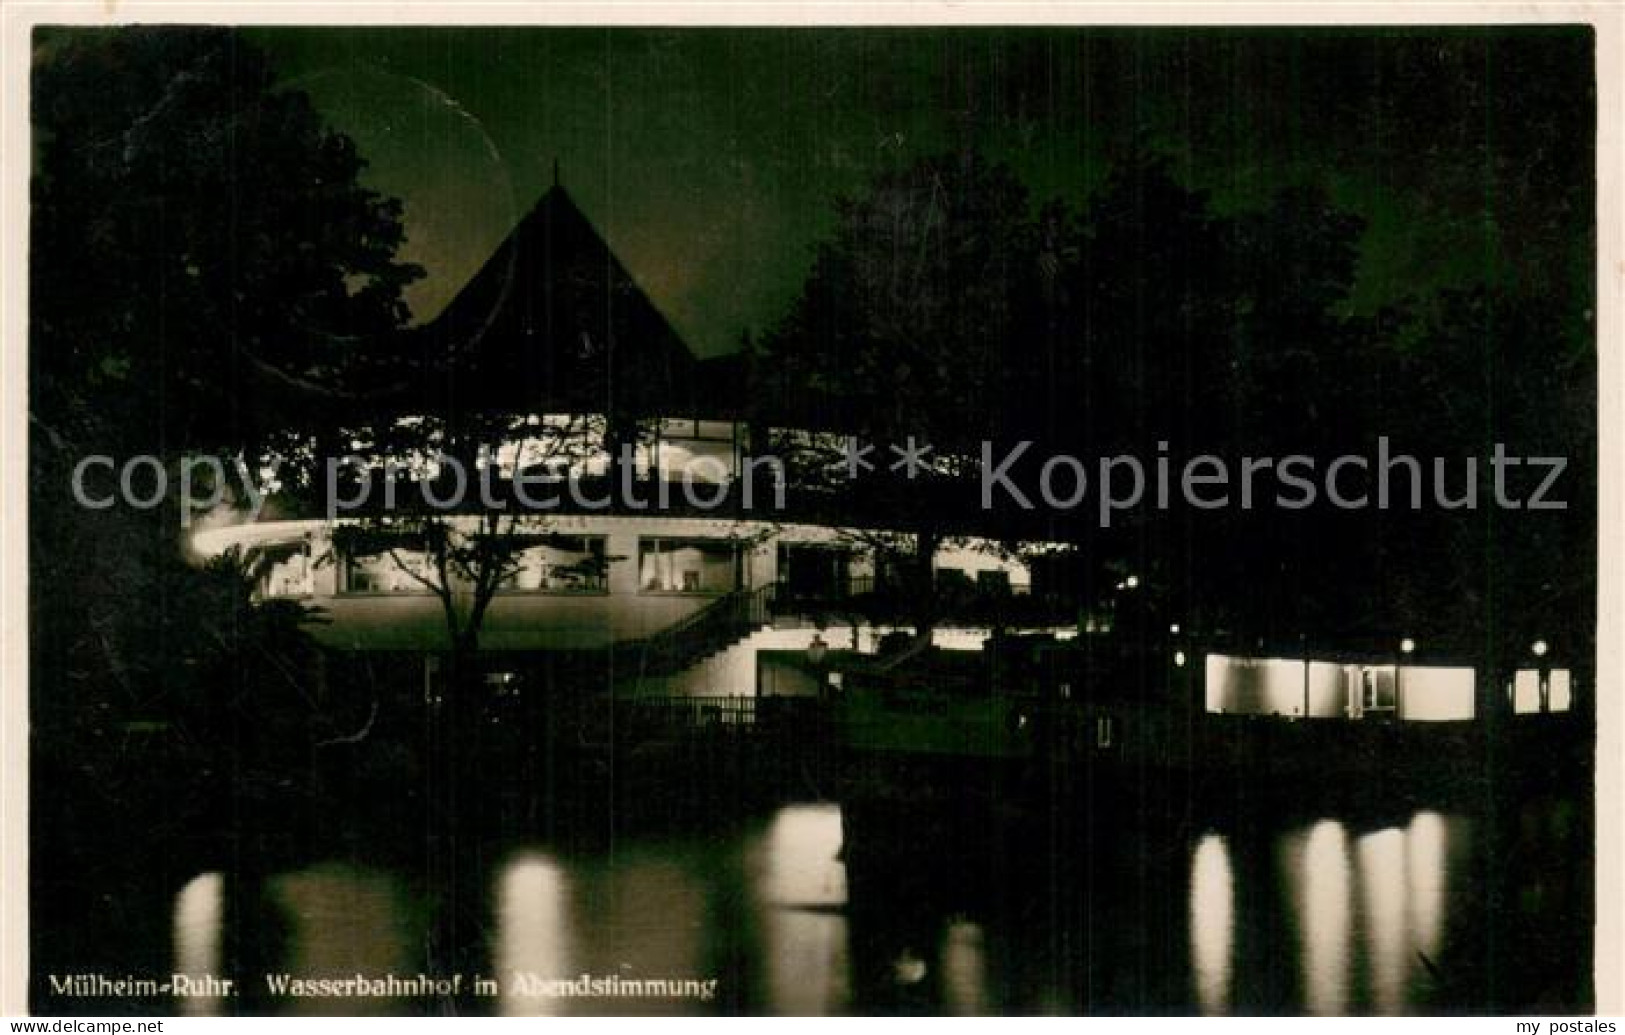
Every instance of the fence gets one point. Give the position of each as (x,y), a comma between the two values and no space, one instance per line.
(686,713)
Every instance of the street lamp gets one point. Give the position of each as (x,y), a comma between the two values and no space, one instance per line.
(1543,677)
(1407,647)
(817,650)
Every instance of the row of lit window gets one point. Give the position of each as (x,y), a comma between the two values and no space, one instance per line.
(1294,687)
(544,564)
(1540,690)
(561,446)
(579,564)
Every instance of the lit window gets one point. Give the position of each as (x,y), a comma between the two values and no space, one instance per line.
(699,566)
(286,571)
(702,451)
(1378,693)
(402,568)
(1526,692)
(558,564)
(1560,695)
(1533,691)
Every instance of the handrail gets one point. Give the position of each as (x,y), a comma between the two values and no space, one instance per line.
(876,597)
(728,617)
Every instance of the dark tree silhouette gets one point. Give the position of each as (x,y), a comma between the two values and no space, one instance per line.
(206,264)
(946,307)
(901,334)
(205,267)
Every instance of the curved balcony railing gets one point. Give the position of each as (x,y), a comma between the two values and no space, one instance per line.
(956,602)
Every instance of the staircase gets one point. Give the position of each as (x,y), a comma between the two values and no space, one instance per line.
(708,631)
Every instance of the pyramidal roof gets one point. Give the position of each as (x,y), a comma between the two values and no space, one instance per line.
(552,321)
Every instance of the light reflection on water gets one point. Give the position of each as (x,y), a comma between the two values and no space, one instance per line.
(531,931)
(1213,923)
(645,914)
(1319,878)
(331,920)
(637,915)
(1366,917)
(1351,917)
(199,916)
(799,899)
(964,970)
(1380,861)
(1425,874)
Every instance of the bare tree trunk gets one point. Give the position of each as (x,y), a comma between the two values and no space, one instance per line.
(453,840)
(925,589)
(920,585)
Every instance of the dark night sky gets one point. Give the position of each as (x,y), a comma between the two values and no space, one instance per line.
(709,158)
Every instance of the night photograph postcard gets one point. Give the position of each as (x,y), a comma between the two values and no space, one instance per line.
(914,519)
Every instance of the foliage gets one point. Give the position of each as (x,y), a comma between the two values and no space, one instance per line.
(899,337)
(461,553)
(204,256)
(1143,320)
(205,266)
